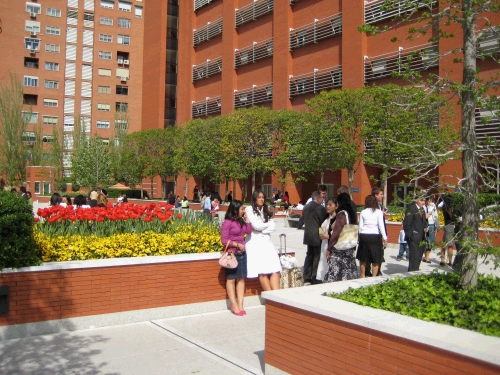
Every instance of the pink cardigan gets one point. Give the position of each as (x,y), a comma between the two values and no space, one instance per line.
(232,231)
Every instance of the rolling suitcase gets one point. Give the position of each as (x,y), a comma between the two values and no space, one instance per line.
(291,274)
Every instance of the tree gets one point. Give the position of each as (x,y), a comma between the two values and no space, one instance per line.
(130,163)
(471,19)
(13,124)
(91,163)
(338,117)
(121,127)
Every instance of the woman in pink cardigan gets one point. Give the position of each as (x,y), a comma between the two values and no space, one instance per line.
(233,231)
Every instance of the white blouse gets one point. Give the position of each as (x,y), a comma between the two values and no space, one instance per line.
(372,222)
(257,221)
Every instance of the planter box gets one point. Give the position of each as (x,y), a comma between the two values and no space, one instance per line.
(310,333)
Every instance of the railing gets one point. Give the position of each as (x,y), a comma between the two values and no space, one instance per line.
(488,44)
(200,4)
(487,130)
(315,31)
(207,32)
(315,81)
(416,58)
(253,11)
(253,95)
(207,69)
(206,107)
(257,51)
(293,2)
(374,12)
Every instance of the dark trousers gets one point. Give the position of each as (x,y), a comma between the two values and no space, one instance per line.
(416,253)
(311,263)
(207,212)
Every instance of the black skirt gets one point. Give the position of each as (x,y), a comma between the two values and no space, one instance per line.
(241,270)
(370,248)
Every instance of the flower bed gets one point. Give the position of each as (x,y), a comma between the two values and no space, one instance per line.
(126,231)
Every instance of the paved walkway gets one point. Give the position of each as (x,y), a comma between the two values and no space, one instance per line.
(214,343)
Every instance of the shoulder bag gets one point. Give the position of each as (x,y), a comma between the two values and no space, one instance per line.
(228,260)
(348,238)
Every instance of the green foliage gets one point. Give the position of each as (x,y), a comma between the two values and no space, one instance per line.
(438,298)
(91,163)
(483,199)
(17,247)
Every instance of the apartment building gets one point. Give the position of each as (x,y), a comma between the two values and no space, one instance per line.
(279,53)
(79,60)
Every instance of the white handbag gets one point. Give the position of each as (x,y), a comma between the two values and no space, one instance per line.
(348,237)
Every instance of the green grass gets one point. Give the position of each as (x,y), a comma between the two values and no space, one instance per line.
(436,298)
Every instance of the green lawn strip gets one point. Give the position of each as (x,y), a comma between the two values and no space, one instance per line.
(436,298)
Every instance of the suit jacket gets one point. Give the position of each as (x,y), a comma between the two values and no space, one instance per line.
(414,223)
(314,214)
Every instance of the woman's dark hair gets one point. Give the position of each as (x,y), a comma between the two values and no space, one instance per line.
(68,199)
(265,211)
(345,205)
(80,200)
(55,199)
(232,212)
(335,201)
(371,202)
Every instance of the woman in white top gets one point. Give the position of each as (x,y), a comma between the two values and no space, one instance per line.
(325,233)
(262,258)
(371,228)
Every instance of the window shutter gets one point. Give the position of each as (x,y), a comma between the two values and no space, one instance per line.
(87,72)
(68,141)
(87,54)
(70,70)
(138,11)
(70,52)
(85,107)
(86,123)
(88,37)
(69,88)
(73,3)
(69,105)
(67,163)
(122,73)
(86,89)
(104,72)
(89,5)
(71,33)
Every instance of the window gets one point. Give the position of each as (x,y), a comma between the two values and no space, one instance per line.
(30,99)
(301,37)
(37,187)
(47,139)
(123,39)
(31,43)
(124,6)
(31,62)
(31,81)
(105,55)
(121,107)
(138,11)
(104,72)
(29,137)
(106,38)
(104,89)
(46,188)
(101,124)
(73,14)
(33,8)
(122,56)
(52,12)
(54,48)
(50,103)
(51,84)
(31,117)
(124,22)
(53,30)
(267,189)
(106,21)
(32,26)
(50,120)
(121,124)
(103,107)
(88,16)
(122,90)
(51,66)
(110,4)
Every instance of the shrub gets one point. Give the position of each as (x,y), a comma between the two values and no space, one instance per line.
(17,245)
(436,297)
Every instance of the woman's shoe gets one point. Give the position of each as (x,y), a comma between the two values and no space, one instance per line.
(243,311)
(239,313)
(442,264)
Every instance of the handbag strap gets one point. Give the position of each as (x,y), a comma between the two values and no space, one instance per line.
(346,216)
(227,245)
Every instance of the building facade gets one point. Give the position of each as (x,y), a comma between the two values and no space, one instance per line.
(279,53)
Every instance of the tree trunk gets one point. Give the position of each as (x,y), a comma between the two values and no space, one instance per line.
(350,178)
(234,189)
(262,179)
(384,186)
(175,184)
(467,260)
(187,185)
(283,180)
(253,180)
(151,188)
(163,187)
(322,179)
(142,192)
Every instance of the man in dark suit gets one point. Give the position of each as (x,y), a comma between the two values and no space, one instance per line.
(314,214)
(415,225)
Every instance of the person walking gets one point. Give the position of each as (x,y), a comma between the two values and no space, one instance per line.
(233,231)
(341,263)
(324,234)
(415,225)
(184,204)
(372,237)
(207,205)
(433,226)
(403,246)
(314,214)
(450,220)
(263,260)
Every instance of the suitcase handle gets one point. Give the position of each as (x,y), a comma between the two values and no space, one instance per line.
(282,239)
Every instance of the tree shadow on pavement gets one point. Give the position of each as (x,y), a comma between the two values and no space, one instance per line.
(61,353)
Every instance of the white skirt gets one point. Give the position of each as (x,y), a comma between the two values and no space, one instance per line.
(262,257)
(323,262)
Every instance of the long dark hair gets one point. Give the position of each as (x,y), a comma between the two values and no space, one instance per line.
(232,212)
(265,211)
(55,199)
(345,205)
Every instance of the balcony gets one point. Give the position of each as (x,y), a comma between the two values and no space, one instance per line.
(488,43)
(375,10)
(315,81)
(253,95)
(207,69)
(206,107)
(207,32)
(316,31)
(253,11)
(488,130)
(201,3)
(257,51)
